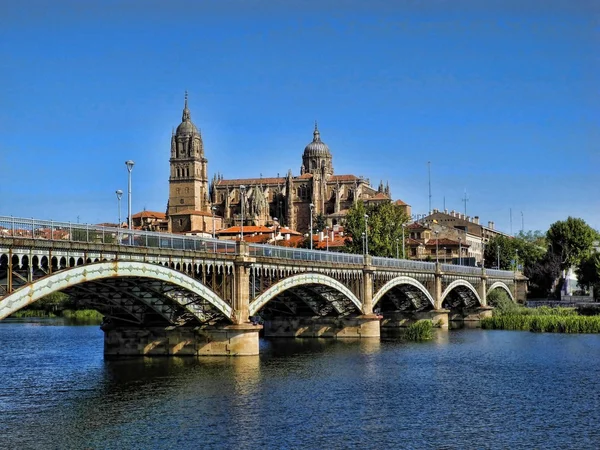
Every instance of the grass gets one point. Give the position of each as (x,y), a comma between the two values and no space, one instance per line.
(80,315)
(421,330)
(540,320)
(83,315)
(30,313)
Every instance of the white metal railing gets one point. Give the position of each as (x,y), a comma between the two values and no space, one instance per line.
(468,270)
(94,234)
(301,254)
(403,264)
(499,273)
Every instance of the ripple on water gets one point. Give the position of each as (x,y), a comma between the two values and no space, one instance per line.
(466,389)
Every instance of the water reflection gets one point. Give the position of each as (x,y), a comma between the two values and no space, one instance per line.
(464,389)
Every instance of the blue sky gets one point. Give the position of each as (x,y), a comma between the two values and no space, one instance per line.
(502,97)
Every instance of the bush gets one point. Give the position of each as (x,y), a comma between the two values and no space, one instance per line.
(421,330)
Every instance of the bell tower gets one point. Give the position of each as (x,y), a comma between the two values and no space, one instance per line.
(188,182)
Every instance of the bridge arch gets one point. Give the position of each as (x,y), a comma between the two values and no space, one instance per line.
(399,281)
(461,284)
(302,280)
(103,270)
(501,285)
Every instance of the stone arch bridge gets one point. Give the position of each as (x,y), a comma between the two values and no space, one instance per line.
(172,294)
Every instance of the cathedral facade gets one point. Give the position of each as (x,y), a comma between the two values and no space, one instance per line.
(291,200)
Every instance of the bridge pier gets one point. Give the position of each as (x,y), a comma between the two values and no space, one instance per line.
(393,322)
(365,326)
(229,340)
(470,316)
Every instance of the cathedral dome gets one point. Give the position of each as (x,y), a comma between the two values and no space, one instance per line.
(317,147)
(186,127)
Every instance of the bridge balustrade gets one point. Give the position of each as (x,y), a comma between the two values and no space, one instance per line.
(468,270)
(499,273)
(299,254)
(93,234)
(402,264)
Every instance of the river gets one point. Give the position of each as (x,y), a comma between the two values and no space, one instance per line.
(465,389)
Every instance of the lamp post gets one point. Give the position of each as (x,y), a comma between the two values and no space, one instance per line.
(275,228)
(403,253)
(310,232)
(437,247)
(483,255)
(498,255)
(445,254)
(397,252)
(129,163)
(327,238)
(460,251)
(516,260)
(366,234)
(119,193)
(213,209)
(362,236)
(242,198)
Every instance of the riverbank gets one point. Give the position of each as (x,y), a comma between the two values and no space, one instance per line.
(542,319)
(79,315)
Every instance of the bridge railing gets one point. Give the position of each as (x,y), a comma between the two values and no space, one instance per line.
(94,234)
(301,254)
(402,264)
(499,273)
(467,270)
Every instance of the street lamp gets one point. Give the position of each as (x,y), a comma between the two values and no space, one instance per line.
(366,234)
(397,252)
(403,254)
(362,236)
(275,228)
(327,238)
(129,163)
(498,254)
(310,232)
(437,247)
(516,260)
(483,255)
(119,193)
(460,251)
(242,197)
(445,254)
(213,209)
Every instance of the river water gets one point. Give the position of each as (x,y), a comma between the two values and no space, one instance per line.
(465,389)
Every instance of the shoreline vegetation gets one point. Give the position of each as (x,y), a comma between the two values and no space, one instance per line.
(59,305)
(78,315)
(510,316)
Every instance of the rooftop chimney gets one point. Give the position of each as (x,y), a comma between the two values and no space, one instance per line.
(476,220)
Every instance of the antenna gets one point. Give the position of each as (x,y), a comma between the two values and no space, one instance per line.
(522,223)
(465,199)
(429,174)
(444,203)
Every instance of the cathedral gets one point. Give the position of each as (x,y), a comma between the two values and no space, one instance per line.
(194,205)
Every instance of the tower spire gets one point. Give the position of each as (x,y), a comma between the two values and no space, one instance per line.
(316,134)
(185,117)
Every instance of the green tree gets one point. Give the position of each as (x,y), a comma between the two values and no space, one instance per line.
(384,228)
(588,272)
(571,240)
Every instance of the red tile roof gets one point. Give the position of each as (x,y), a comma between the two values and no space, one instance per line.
(250,181)
(149,214)
(400,203)
(305,176)
(247,230)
